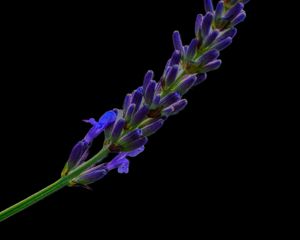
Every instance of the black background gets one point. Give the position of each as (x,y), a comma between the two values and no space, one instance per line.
(66,63)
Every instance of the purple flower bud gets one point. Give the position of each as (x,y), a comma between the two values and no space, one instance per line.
(78,154)
(129,113)
(167,111)
(175,108)
(234,11)
(206,25)
(127,102)
(186,85)
(211,38)
(175,59)
(168,66)
(211,66)
(130,137)
(117,129)
(219,10)
(149,93)
(201,77)
(91,175)
(240,18)
(137,97)
(228,33)
(135,152)
(198,24)
(223,44)
(130,146)
(192,49)
(156,101)
(179,106)
(177,41)
(169,99)
(139,116)
(208,57)
(148,77)
(152,128)
(171,75)
(208,6)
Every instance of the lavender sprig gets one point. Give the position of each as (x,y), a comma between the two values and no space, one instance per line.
(146,109)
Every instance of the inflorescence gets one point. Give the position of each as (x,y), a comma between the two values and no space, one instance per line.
(146,109)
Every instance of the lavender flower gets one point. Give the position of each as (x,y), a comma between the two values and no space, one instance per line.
(146,109)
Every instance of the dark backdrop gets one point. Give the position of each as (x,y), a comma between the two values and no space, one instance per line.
(66,63)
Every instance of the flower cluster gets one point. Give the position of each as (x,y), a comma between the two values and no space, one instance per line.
(146,109)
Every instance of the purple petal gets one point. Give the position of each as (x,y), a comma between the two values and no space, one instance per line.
(179,106)
(240,18)
(219,10)
(136,152)
(175,108)
(149,93)
(156,101)
(77,154)
(211,38)
(192,48)
(124,167)
(212,66)
(137,97)
(234,11)
(107,118)
(127,102)
(186,85)
(152,128)
(129,113)
(223,44)
(92,175)
(135,144)
(198,24)
(170,99)
(131,136)
(139,116)
(148,77)
(175,59)
(206,25)
(177,41)
(171,75)
(208,6)
(228,33)
(117,129)
(201,77)
(208,57)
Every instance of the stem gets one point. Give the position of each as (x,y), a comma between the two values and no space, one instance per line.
(59,184)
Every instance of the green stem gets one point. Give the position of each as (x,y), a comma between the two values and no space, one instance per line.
(59,184)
